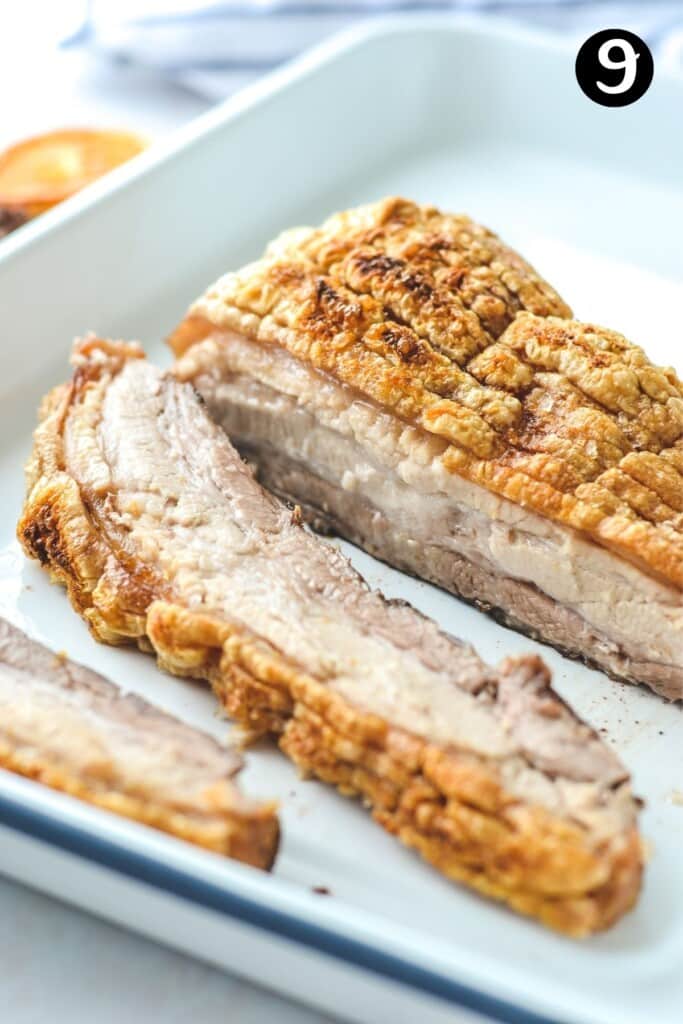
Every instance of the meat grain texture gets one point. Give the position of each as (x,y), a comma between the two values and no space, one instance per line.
(418,388)
(138,503)
(73,730)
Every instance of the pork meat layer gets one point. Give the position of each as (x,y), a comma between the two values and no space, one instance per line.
(69,728)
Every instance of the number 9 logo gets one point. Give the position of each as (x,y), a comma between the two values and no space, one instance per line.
(614,68)
(628,64)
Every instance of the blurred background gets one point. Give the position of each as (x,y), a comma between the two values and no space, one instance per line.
(150,65)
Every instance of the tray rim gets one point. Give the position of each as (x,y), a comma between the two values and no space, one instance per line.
(240,104)
(259,92)
(113,848)
(90,834)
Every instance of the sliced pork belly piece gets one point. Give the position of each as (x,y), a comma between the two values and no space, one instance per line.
(537,474)
(69,728)
(140,505)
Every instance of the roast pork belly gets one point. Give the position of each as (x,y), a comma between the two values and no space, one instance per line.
(138,503)
(69,728)
(527,462)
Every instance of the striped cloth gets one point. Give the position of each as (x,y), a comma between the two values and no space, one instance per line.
(216,48)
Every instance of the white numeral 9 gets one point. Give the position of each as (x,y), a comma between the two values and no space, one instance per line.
(628,63)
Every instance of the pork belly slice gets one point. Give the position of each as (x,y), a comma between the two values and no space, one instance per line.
(140,505)
(536,473)
(73,730)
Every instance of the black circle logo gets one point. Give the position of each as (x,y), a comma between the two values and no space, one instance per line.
(614,67)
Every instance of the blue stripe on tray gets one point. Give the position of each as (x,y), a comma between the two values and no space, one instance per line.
(123,860)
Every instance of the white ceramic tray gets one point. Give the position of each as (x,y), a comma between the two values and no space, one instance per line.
(487,121)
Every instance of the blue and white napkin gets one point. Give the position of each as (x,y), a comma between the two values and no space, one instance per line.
(215,48)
